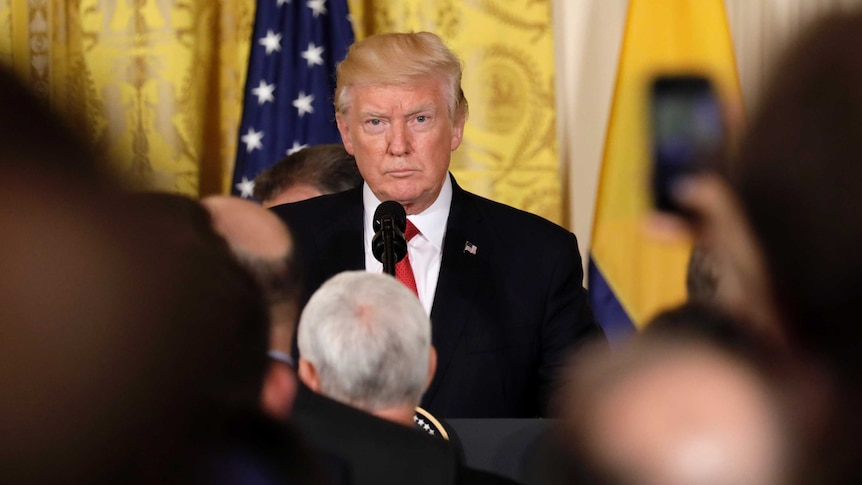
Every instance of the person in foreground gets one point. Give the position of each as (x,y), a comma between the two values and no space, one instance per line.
(356,446)
(366,341)
(264,246)
(503,287)
(130,340)
(781,226)
(670,410)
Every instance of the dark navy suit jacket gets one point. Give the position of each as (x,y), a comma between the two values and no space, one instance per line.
(505,314)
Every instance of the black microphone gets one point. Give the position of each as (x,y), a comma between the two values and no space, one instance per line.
(388,244)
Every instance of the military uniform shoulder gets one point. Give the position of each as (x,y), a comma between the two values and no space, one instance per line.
(428,424)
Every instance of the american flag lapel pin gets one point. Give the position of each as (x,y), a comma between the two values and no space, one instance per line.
(470,248)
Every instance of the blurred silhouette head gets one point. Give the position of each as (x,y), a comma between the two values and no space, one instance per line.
(671,413)
(700,322)
(778,226)
(128,336)
(130,332)
(781,228)
(71,325)
(263,245)
(33,137)
(229,306)
(798,177)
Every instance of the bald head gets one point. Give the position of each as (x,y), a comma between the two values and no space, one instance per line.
(670,414)
(263,244)
(250,229)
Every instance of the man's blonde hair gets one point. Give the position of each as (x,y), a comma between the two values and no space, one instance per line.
(401,59)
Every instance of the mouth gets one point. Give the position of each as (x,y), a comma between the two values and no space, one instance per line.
(401,173)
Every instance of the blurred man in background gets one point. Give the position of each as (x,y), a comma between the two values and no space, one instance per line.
(307,173)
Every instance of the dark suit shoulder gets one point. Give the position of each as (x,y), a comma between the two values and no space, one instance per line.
(473,476)
(311,211)
(509,306)
(514,222)
(327,234)
(378,452)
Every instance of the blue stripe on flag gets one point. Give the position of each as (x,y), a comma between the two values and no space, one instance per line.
(607,309)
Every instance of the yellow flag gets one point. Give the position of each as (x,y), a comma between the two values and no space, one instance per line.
(632,275)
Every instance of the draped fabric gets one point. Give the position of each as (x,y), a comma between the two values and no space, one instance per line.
(157,84)
(83,56)
(509,152)
(632,273)
(588,36)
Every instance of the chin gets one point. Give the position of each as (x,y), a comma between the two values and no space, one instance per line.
(404,194)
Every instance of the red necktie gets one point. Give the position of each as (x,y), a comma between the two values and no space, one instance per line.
(403,270)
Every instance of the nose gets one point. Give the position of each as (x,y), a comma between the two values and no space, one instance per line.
(399,139)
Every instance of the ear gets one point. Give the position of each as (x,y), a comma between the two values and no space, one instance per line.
(279,391)
(344,129)
(432,366)
(457,132)
(308,375)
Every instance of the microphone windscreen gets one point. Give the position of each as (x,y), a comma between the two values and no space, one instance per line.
(393,209)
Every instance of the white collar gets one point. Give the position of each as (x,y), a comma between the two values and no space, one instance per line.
(431,222)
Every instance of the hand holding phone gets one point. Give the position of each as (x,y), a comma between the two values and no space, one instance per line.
(687,133)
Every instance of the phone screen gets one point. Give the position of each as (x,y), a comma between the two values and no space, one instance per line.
(687,132)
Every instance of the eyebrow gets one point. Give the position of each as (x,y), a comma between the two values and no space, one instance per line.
(420,109)
(371,113)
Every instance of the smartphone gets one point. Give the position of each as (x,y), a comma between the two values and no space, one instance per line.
(687,132)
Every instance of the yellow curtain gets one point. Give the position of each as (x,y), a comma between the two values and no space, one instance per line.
(509,152)
(157,84)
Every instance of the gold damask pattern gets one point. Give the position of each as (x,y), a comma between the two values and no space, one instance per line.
(157,84)
(5,33)
(509,152)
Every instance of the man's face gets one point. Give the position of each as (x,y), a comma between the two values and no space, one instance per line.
(402,139)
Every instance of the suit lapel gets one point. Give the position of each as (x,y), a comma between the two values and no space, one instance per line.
(459,280)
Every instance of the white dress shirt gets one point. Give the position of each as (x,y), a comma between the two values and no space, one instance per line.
(425,250)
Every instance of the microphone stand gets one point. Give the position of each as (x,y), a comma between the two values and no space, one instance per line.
(388,244)
(387,226)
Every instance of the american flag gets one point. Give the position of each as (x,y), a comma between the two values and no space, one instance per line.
(295,47)
(470,248)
